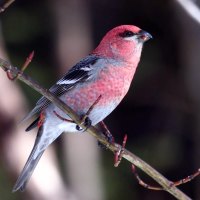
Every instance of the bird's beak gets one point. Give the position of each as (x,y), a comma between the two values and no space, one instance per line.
(144,36)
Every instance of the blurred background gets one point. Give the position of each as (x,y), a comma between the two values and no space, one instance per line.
(160,114)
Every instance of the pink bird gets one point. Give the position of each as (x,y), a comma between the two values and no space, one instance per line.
(100,80)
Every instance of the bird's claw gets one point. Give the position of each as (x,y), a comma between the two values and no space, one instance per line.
(119,153)
(109,138)
(86,121)
(107,134)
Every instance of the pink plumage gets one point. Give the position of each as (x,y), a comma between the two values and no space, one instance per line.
(106,73)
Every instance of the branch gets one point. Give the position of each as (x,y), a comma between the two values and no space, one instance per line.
(114,147)
(191,8)
(6,5)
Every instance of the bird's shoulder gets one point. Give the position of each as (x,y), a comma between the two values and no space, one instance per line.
(81,72)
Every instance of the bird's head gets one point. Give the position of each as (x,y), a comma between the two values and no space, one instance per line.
(123,42)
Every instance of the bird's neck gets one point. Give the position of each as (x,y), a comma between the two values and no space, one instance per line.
(129,54)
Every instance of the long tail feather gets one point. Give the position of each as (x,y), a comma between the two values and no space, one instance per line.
(30,165)
(27,172)
(47,133)
(31,114)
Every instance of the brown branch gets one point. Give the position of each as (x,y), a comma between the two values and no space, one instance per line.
(175,183)
(114,147)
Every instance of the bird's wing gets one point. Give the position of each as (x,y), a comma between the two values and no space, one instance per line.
(46,135)
(79,73)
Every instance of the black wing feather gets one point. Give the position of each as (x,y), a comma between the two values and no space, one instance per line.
(80,72)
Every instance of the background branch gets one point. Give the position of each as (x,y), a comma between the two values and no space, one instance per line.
(191,8)
(166,184)
(6,5)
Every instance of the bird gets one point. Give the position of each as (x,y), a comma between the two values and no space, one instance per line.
(105,74)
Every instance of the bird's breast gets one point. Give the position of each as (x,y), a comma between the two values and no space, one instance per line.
(111,84)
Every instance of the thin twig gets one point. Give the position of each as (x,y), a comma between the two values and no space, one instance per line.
(25,65)
(6,5)
(114,147)
(175,183)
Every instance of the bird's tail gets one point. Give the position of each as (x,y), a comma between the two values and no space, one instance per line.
(30,164)
(27,171)
(47,133)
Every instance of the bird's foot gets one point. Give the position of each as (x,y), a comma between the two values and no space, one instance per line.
(107,134)
(62,118)
(118,154)
(86,121)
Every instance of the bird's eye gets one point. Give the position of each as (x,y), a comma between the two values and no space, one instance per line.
(126,34)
